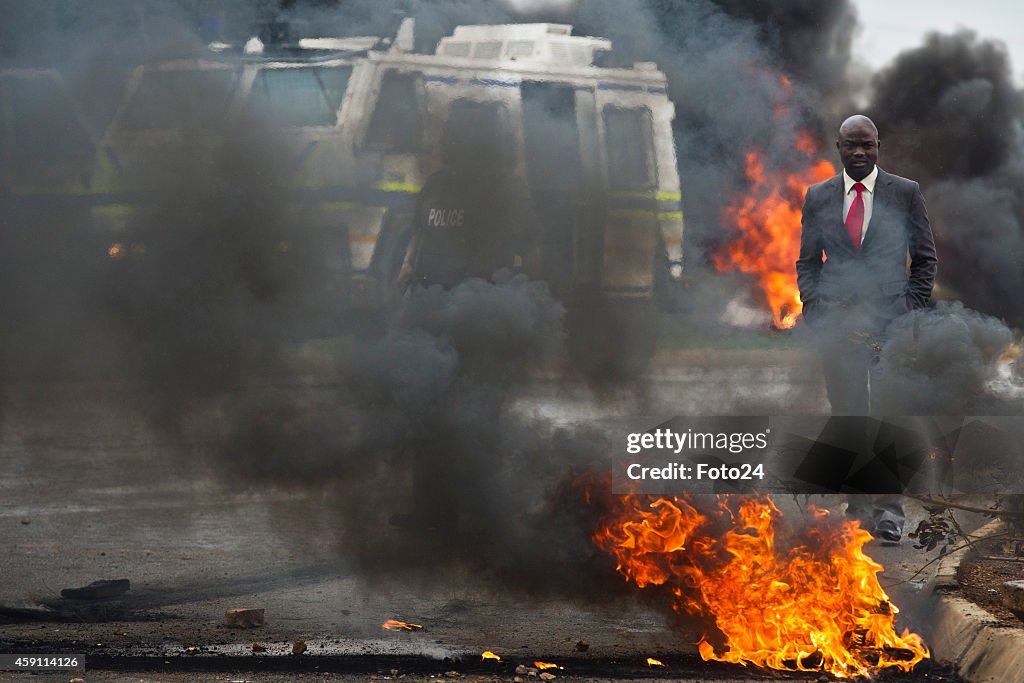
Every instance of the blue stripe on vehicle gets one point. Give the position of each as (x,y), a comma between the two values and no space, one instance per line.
(620,86)
(450,80)
(491,83)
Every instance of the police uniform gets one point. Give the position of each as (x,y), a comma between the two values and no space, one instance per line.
(467,227)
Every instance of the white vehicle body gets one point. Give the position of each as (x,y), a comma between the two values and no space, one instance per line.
(594,144)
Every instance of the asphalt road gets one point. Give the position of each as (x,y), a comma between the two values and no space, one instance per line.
(91,489)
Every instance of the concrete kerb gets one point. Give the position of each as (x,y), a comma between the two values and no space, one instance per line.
(967,636)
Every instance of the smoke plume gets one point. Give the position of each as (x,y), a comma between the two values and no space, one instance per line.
(939,362)
(950,116)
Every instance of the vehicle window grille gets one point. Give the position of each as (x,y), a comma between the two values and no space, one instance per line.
(395,124)
(490,49)
(520,48)
(457,49)
(628,142)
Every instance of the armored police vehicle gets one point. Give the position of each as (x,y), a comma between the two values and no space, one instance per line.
(357,125)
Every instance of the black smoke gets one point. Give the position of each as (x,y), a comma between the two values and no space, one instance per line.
(216,305)
(794,29)
(728,65)
(951,117)
(941,362)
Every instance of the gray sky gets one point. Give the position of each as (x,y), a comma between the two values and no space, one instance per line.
(890,26)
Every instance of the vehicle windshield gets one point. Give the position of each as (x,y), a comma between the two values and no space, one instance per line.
(180,99)
(299,96)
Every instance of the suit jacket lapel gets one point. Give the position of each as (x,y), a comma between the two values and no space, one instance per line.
(834,209)
(879,206)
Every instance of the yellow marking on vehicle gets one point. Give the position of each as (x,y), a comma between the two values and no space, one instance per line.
(409,188)
(647,194)
(648,213)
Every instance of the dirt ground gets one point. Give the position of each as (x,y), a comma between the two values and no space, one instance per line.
(982,574)
(90,490)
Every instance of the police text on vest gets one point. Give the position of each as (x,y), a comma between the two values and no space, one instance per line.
(446,218)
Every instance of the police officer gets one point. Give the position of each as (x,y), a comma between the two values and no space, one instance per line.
(473,219)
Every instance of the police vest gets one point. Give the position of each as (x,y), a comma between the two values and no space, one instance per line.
(465,227)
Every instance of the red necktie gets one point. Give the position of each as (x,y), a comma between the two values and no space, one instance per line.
(855,219)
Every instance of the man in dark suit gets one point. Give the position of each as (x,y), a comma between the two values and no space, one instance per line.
(867,256)
(879,262)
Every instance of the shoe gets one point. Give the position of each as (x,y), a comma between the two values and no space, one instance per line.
(889,530)
(889,521)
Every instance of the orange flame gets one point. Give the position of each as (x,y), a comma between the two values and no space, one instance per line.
(544,666)
(808,602)
(487,654)
(651,661)
(805,143)
(768,220)
(395,625)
